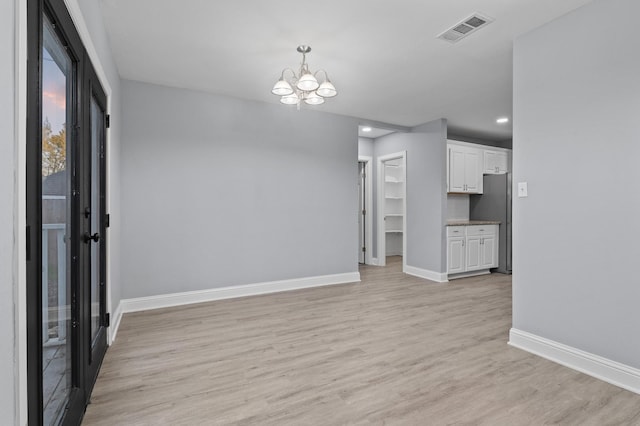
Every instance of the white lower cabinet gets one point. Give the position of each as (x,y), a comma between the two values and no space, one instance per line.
(489,252)
(473,253)
(456,249)
(456,255)
(472,248)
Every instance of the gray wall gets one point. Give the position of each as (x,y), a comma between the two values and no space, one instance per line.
(8,225)
(365,147)
(220,192)
(576,142)
(426,192)
(93,17)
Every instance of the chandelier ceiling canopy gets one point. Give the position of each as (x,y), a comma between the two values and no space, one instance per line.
(303,87)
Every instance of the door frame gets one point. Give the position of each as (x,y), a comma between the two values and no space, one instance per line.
(93,91)
(381,234)
(73,7)
(23,82)
(57,12)
(73,29)
(368,205)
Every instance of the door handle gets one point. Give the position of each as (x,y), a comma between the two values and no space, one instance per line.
(88,237)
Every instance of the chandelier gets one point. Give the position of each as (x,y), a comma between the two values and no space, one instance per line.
(304,86)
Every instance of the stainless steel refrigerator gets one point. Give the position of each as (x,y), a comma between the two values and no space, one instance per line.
(495,204)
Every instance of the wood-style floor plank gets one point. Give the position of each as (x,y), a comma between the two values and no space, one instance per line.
(393,349)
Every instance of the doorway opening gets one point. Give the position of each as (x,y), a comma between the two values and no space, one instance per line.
(365,210)
(392,207)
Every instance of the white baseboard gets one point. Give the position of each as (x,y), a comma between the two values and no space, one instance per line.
(426,274)
(189,297)
(374,261)
(469,274)
(601,368)
(116,317)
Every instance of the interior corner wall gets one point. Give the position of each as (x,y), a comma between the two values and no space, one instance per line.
(426,193)
(220,192)
(365,147)
(576,143)
(92,15)
(8,220)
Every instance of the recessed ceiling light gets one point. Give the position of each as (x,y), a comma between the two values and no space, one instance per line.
(366,129)
(502,120)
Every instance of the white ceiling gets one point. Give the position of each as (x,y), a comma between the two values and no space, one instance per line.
(383,56)
(373,132)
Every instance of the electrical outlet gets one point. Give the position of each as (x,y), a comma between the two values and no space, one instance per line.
(522,189)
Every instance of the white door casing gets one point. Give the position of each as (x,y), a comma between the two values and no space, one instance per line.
(380,210)
(368,206)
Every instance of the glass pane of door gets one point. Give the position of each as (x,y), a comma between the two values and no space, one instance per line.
(97,126)
(57,75)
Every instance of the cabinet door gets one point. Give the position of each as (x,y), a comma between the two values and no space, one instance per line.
(473,253)
(464,170)
(490,162)
(456,170)
(456,255)
(495,162)
(472,173)
(502,162)
(488,257)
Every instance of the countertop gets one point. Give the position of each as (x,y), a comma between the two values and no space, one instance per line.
(472,222)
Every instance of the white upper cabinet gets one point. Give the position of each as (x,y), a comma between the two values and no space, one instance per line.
(464,174)
(456,170)
(472,173)
(467,163)
(495,162)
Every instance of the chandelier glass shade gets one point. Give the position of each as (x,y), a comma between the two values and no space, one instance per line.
(303,87)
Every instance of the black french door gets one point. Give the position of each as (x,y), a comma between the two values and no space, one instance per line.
(66,218)
(94,271)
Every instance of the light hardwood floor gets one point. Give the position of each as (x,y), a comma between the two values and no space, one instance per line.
(393,349)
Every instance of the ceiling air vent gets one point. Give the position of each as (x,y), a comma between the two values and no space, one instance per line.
(465,27)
